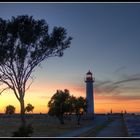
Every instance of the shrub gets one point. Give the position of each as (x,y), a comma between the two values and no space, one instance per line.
(23,131)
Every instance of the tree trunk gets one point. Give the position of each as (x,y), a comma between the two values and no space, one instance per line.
(22,111)
(78,119)
(60,117)
(62,121)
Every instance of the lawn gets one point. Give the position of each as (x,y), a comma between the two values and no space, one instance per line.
(43,125)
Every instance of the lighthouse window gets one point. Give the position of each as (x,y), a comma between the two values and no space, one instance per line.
(89,76)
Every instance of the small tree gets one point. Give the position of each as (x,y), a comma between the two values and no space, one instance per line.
(62,103)
(80,107)
(29,108)
(24,44)
(10,109)
(111,111)
(58,105)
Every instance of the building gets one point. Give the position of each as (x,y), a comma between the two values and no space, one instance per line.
(90,93)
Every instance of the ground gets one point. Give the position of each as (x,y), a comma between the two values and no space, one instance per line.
(43,125)
(46,126)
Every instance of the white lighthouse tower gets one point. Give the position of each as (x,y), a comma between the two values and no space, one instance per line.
(90,93)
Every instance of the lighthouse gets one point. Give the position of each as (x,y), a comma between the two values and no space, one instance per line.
(90,93)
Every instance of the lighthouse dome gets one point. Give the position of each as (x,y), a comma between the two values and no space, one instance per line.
(89,73)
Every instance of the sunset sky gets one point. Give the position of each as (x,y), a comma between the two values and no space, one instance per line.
(106,40)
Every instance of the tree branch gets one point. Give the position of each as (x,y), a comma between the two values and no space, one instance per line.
(30,84)
(10,86)
(4,90)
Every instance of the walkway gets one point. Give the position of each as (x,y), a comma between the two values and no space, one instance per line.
(114,129)
(101,128)
(76,133)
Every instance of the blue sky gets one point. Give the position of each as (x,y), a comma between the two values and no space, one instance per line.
(106,40)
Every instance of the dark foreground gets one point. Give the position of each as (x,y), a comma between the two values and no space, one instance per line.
(115,125)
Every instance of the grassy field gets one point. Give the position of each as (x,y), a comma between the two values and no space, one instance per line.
(43,125)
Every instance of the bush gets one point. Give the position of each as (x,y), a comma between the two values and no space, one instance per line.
(23,131)
(10,109)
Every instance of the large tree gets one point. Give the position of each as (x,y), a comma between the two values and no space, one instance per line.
(24,44)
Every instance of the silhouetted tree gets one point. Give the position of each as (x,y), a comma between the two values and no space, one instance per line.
(10,109)
(24,44)
(80,107)
(62,103)
(111,111)
(58,105)
(70,106)
(29,108)
(125,112)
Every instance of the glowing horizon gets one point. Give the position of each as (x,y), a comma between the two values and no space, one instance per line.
(103,103)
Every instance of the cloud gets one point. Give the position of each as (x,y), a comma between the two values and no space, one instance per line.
(116,87)
(101,83)
(120,69)
(45,97)
(106,87)
(79,88)
(124,97)
(132,78)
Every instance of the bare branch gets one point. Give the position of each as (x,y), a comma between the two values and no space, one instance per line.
(30,84)
(5,82)
(10,86)
(4,90)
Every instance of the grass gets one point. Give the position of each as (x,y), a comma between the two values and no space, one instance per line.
(43,126)
(124,127)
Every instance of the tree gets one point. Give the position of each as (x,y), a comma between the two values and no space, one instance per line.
(10,109)
(111,111)
(80,107)
(58,105)
(62,103)
(24,44)
(29,108)
(70,106)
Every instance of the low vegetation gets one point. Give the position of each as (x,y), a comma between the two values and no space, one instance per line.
(10,109)
(43,125)
(29,108)
(23,131)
